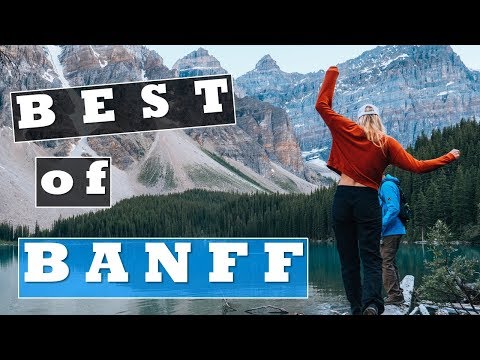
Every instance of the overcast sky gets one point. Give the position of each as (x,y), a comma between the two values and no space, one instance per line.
(238,59)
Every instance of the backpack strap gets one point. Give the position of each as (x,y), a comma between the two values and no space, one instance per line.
(403,198)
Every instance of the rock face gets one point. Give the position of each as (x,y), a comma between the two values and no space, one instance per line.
(263,134)
(270,127)
(267,133)
(267,82)
(102,64)
(198,63)
(417,88)
(23,68)
(234,143)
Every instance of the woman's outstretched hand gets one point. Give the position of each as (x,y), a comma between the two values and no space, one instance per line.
(455,153)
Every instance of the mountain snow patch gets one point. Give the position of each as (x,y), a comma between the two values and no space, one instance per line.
(54,52)
(367,70)
(445,93)
(102,63)
(47,76)
(388,62)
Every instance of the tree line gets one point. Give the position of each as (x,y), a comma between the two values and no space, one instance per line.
(451,194)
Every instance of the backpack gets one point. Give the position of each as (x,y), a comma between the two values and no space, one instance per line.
(405,213)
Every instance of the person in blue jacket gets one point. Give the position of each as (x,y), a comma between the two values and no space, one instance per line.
(392,232)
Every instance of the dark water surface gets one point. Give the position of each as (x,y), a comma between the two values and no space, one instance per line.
(325,289)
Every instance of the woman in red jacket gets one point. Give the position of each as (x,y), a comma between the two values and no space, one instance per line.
(360,153)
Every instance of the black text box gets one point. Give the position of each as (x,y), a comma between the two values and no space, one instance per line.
(122,108)
(67,182)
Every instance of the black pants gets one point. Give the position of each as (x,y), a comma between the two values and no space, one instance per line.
(357,223)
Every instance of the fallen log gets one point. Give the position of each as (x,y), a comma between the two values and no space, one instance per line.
(423,309)
(407,284)
(414,311)
(466,307)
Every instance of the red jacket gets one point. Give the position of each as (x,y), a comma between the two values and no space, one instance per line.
(354,155)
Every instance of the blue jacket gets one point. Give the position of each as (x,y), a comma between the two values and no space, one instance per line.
(389,196)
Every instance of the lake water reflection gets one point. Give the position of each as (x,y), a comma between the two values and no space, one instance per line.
(325,290)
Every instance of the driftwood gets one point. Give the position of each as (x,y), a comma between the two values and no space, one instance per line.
(462,309)
(335,312)
(414,311)
(407,284)
(466,306)
(227,307)
(271,310)
(451,309)
(423,309)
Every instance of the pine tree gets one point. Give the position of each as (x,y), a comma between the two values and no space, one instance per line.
(37,229)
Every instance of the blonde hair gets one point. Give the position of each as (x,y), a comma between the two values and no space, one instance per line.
(374,129)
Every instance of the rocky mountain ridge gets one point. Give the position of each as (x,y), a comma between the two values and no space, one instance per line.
(260,154)
(417,88)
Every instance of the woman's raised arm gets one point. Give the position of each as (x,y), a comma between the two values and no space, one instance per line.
(325,99)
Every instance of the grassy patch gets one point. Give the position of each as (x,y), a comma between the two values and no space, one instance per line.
(170,182)
(285,183)
(202,175)
(234,169)
(151,172)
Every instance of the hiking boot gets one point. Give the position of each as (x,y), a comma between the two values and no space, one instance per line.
(396,300)
(371,310)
